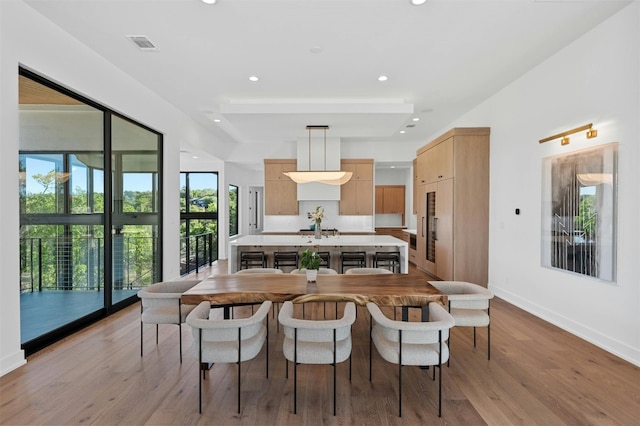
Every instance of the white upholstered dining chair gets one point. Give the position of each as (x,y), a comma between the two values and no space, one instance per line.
(316,342)
(161,304)
(412,343)
(325,271)
(368,271)
(227,341)
(469,306)
(259,271)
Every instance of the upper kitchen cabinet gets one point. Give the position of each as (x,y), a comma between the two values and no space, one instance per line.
(356,196)
(390,199)
(453,206)
(438,164)
(280,192)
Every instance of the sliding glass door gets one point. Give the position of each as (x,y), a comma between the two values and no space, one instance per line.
(72,271)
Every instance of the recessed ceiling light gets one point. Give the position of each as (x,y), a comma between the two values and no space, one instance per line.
(216,120)
(416,119)
(195,156)
(392,167)
(403,131)
(315,49)
(383,78)
(418,2)
(254,78)
(209,1)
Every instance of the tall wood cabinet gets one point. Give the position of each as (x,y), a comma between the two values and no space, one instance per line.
(452,197)
(356,196)
(280,192)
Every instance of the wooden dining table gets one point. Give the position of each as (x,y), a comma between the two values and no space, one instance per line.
(401,290)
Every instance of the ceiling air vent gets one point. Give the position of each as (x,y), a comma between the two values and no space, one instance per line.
(410,125)
(143,43)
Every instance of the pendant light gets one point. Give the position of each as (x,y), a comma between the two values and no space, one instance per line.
(329,177)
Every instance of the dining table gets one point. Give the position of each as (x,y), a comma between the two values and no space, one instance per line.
(398,290)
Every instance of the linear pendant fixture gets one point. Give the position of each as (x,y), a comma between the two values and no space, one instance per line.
(329,177)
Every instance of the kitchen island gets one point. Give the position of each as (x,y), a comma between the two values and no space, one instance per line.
(333,244)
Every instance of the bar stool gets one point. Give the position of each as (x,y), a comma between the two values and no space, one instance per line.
(252,259)
(285,258)
(326,259)
(350,259)
(387,259)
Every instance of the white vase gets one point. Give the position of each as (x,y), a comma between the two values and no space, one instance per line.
(318,231)
(312,275)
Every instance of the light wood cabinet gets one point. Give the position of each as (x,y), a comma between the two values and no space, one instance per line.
(393,231)
(453,206)
(356,196)
(414,199)
(280,192)
(390,199)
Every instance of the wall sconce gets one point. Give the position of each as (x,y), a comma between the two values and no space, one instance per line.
(591,133)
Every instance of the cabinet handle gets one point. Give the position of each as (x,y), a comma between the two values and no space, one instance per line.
(435,229)
(422,226)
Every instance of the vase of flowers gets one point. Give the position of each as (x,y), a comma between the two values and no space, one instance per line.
(316,216)
(310,260)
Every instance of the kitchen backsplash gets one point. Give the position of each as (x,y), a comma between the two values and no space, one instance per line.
(332,219)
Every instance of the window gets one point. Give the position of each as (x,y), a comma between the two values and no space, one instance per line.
(198,220)
(233,210)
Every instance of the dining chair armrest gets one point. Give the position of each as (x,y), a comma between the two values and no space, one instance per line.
(442,319)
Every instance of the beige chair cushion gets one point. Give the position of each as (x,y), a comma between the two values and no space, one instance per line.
(220,337)
(315,337)
(420,340)
(368,271)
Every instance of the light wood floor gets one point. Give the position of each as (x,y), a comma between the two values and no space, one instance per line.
(538,374)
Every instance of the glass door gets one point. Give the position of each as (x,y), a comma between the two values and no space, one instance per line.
(135,215)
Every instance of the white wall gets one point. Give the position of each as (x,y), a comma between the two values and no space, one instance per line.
(595,79)
(29,40)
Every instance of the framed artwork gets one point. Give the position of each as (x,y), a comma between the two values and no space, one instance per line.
(579,202)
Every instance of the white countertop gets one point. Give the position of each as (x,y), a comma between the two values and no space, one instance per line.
(308,240)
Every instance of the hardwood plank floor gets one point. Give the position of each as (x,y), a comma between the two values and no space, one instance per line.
(538,374)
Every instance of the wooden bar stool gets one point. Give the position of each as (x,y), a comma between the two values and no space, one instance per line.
(352,259)
(252,259)
(326,259)
(285,259)
(387,259)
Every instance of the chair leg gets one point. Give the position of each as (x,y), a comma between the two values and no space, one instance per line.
(489,342)
(439,389)
(295,388)
(180,334)
(141,337)
(156,334)
(334,389)
(370,344)
(399,390)
(200,366)
(474,337)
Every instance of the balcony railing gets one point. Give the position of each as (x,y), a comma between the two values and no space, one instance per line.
(197,251)
(76,263)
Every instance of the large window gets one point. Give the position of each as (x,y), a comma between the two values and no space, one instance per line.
(233,210)
(88,240)
(198,220)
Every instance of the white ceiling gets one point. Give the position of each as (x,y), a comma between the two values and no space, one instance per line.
(441,59)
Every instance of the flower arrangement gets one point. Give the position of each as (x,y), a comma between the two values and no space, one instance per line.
(310,259)
(317,215)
